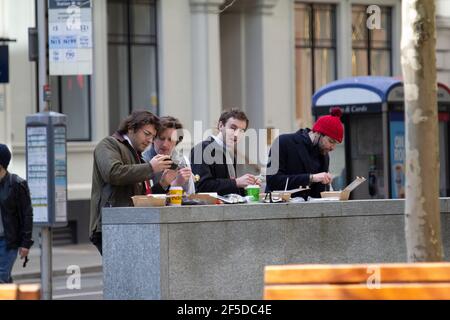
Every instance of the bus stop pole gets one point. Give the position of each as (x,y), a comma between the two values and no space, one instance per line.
(42,64)
(46,263)
(46,232)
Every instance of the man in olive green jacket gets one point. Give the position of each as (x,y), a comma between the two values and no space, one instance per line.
(119,170)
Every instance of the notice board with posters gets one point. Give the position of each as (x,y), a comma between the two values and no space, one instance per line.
(70,37)
(46,156)
(4,64)
(397,154)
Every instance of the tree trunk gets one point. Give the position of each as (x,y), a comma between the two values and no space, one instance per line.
(418,58)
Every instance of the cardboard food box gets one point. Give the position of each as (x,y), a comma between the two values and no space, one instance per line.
(210,198)
(344,194)
(282,195)
(154,200)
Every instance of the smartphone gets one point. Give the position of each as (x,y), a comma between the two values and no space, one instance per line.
(173,166)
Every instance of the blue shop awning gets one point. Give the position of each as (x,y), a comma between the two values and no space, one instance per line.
(355,95)
(367,95)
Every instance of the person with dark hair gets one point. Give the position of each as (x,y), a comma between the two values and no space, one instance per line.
(120,172)
(301,159)
(16,217)
(214,160)
(168,137)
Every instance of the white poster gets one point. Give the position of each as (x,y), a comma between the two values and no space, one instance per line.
(37,172)
(60,175)
(70,37)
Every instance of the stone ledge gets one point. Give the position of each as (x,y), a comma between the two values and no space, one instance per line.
(193,214)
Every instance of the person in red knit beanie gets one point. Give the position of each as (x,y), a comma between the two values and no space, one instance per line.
(301,158)
(331,125)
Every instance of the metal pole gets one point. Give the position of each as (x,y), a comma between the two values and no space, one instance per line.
(42,40)
(46,232)
(46,263)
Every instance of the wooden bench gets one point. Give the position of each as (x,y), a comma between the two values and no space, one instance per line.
(403,281)
(20,292)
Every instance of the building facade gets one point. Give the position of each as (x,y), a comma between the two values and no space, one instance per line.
(193,58)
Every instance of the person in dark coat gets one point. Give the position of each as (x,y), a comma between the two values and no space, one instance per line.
(16,217)
(214,160)
(302,157)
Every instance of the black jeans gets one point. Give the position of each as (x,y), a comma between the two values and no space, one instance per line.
(96,239)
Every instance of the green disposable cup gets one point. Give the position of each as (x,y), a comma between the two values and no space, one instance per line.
(253,192)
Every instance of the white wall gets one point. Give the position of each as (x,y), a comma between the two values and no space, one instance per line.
(280,63)
(15,19)
(174,60)
(443,41)
(258,63)
(443,8)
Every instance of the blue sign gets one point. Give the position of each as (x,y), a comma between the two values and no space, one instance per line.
(397,151)
(4,64)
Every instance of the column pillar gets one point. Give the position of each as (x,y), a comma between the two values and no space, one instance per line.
(206,74)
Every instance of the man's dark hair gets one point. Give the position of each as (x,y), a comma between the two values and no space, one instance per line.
(233,113)
(5,156)
(169,122)
(137,120)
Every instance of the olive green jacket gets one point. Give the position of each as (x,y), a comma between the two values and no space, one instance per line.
(117,176)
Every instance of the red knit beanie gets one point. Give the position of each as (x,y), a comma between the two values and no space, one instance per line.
(331,125)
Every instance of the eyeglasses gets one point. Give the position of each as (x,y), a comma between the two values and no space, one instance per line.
(148,134)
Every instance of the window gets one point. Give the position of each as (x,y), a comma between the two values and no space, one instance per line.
(132,58)
(71,95)
(372,49)
(315,41)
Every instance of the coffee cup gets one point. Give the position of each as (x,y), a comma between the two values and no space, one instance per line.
(175,196)
(252,191)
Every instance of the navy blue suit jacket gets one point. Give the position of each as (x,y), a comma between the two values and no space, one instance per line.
(293,155)
(214,177)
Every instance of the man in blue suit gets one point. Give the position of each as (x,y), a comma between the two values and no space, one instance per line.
(302,157)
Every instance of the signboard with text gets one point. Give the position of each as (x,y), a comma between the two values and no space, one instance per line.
(37,172)
(70,37)
(46,154)
(4,64)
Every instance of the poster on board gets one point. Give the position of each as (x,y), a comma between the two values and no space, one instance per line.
(70,37)
(397,154)
(37,174)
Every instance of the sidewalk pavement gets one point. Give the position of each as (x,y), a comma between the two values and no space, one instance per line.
(84,256)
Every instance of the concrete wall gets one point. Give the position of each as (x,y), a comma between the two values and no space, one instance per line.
(219,252)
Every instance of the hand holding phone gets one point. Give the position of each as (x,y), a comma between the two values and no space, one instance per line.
(173,166)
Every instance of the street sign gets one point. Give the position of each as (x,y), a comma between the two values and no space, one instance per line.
(47,168)
(4,64)
(70,37)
